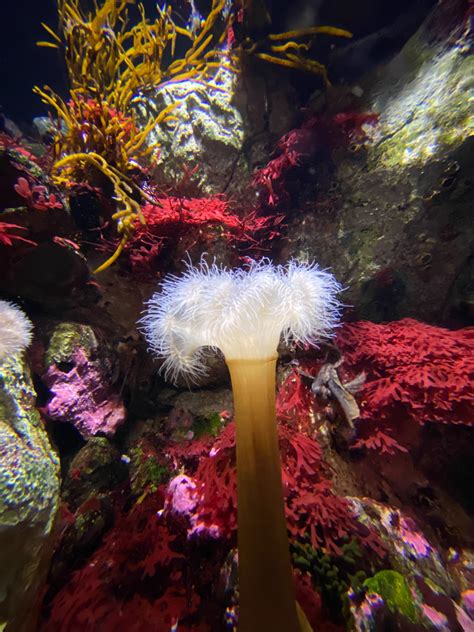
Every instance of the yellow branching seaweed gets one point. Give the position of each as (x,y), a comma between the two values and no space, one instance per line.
(110,64)
(283,50)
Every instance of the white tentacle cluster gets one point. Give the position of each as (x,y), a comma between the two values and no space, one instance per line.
(241,312)
(15,330)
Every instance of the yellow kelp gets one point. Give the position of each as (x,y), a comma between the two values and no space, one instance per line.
(109,63)
(285,49)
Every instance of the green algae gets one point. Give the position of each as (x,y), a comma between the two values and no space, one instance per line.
(332,576)
(66,338)
(207,425)
(395,591)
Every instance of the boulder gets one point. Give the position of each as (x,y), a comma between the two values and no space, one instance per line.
(29,498)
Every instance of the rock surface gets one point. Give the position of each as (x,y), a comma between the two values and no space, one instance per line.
(29,498)
(224,128)
(397,230)
(79,375)
(207,135)
(432,601)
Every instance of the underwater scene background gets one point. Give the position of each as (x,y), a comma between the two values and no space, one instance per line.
(236,316)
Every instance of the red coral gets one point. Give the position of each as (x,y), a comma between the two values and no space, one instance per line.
(8,143)
(37,196)
(311,505)
(151,569)
(300,145)
(380,441)
(294,400)
(416,373)
(178,224)
(133,582)
(217,491)
(7,237)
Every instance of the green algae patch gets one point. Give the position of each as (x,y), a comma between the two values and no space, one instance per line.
(395,591)
(66,338)
(431,114)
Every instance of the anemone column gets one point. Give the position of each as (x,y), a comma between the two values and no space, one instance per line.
(266,594)
(244,313)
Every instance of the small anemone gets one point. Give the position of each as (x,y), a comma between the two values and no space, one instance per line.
(15,330)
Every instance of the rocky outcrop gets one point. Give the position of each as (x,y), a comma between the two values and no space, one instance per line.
(79,375)
(396,224)
(29,498)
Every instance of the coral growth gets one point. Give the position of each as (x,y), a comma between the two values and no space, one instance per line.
(111,63)
(313,510)
(23,181)
(15,330)
(148,573)
(135,581)
(299,146)
(79,382)
(284,49)
(177,225)
(294,400)
(37,196)
(8,238)
(416,373)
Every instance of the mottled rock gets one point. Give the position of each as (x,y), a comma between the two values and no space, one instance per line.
(225,127)
(207,135)
(398,229)
(205,403)
(96,477)
(149,465)
(433,598)
(409,551)
(96,469)
(79,375)
(29,498)
(81,533)
(407,604)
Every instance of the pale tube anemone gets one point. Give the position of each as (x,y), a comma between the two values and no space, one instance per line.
(15,330)
(244,313)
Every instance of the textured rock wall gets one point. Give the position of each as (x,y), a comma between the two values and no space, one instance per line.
(399,232)
(29,498)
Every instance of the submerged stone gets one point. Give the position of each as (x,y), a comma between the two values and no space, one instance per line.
(29,498)
(79,375)
(207,135)
(398,229)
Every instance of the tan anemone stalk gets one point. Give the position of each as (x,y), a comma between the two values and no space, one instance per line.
(244,313)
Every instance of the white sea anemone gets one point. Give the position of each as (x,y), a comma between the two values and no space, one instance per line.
(243,313)
(15,330)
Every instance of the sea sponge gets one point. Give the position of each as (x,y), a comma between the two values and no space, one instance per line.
(241,312)
(15,330)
